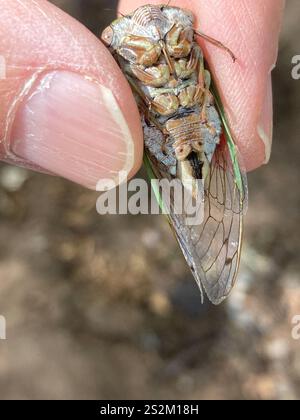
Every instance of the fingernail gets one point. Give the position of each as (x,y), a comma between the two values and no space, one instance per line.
(265,125)
(73,127)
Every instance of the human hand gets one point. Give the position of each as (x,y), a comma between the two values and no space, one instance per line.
(66,108)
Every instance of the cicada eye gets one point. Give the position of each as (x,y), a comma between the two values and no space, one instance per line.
(107,36)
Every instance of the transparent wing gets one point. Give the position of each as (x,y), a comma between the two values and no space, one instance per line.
(216,252)
(213,249)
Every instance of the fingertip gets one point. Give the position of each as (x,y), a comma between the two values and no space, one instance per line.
(74,128)
(251,30)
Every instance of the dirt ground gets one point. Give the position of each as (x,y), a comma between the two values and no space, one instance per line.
(105,308)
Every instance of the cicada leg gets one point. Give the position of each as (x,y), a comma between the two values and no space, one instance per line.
(165,104)
(205,83)
(145,105)
(217,44)
(139,50)
(179,41)
(168,58)
(190,96)
(153,76)
(185,68)
(139,91)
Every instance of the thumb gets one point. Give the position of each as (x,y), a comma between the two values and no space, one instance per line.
(65,107)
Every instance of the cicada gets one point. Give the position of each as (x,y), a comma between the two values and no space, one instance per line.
(186,135)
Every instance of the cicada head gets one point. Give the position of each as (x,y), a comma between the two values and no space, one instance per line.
(107,36)
(112,35)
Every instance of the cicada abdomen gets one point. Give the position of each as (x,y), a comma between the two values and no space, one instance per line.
(156,48)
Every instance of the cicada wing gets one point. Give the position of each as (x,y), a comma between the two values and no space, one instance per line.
(212,249)
(218,247)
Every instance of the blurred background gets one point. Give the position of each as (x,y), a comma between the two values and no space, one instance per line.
(105,307)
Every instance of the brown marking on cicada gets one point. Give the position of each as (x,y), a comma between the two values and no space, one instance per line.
(163,104)
(204,83)
(145,111)
(182,151)
(152,76)
(190,96)
(186,133)
(208,99)
(168,59)
(139,50)
(173,83)
(185,68)
(166,104)
(179,41)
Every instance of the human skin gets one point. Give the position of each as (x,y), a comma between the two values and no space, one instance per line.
(66,108)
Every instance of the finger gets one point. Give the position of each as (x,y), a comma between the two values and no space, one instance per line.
(251,31)
(65,108)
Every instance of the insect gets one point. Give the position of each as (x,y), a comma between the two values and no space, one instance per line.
(186,135)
